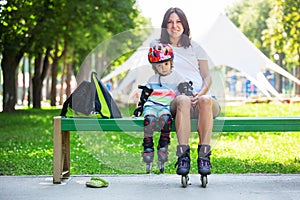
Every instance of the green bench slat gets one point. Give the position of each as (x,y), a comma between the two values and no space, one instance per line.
(221,124)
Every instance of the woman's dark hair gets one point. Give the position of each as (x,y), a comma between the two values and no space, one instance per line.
(185,40)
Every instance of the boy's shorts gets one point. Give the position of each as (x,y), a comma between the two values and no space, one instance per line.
(156,110)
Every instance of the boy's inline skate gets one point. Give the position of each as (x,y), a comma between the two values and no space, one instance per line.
(165,124)
(148,155)
(162,155)
(204,163)
(183,163)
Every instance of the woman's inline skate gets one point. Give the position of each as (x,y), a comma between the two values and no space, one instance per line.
(183,163)
(204,163)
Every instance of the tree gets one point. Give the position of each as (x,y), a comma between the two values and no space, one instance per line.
(273,26)
(250,17)
(282,34)
(14,43)
(35,27)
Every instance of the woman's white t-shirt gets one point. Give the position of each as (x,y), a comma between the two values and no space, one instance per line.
(186,63)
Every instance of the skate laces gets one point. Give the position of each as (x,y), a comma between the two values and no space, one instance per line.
(182,162)
(204,162)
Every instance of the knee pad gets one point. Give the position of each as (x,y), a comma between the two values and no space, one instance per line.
(149,124)
(165,123)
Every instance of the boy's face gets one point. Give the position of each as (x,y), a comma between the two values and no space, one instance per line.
(164,68)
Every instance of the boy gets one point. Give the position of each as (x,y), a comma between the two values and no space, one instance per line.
(155,101)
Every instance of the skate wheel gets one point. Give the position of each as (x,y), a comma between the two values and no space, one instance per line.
(184,180)
(148,167)
(204,181)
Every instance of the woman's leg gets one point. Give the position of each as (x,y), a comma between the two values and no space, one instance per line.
(182,106)
(205,119)
(205,125)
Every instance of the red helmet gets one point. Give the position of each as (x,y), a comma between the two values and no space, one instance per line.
(159,53)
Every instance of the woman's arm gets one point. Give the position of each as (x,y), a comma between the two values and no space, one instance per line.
(205,73)
(207,81)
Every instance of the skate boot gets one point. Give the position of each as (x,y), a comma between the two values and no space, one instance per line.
(162,154)
(183,163)
(204,163)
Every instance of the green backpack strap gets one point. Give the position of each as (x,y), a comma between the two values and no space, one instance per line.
(104,108)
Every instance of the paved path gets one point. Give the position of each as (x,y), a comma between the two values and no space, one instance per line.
(153,187)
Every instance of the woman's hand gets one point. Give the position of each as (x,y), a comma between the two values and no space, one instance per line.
(194,99)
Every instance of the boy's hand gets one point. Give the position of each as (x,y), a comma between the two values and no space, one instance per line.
(138,111)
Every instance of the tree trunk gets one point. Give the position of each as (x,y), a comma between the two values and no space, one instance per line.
(54,72)
(278,83)
(9,63)
(23,81)
(61,93)
(69,74)
(30,82)
(37,82)
(40,72)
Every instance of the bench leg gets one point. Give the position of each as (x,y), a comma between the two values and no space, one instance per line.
(61,152)
(57,150)
(66,154)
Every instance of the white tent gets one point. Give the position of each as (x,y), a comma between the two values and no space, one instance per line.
(225,45)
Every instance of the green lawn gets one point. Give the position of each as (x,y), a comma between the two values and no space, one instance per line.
(26,146)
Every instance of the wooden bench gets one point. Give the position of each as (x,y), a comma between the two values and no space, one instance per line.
(63,126)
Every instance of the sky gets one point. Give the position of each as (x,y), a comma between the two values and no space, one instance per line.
(199,12)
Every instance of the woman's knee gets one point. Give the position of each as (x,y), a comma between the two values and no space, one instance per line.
(183,101)
(205,100)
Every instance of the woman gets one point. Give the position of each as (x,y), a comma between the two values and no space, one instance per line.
(191,61)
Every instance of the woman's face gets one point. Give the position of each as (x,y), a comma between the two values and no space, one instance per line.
(174,27)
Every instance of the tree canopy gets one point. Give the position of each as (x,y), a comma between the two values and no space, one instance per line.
(274,27)
(48,30)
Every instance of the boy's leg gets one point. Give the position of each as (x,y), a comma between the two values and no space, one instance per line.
(165,124)
(149,128)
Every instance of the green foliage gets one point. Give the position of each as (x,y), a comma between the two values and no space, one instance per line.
(273,26)
(31,27)
(26,146)
(250,16)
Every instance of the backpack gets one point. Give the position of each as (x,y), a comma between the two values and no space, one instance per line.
(91,99)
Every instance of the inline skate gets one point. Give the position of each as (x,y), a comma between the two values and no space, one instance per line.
(183,163)
(148,155)
(204,164)
(162,155)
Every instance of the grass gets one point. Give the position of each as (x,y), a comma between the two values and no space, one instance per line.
(26,146)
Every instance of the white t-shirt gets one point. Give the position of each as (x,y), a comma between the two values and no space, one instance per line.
(186,63)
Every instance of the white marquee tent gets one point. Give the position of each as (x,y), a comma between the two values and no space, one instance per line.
(225,45)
